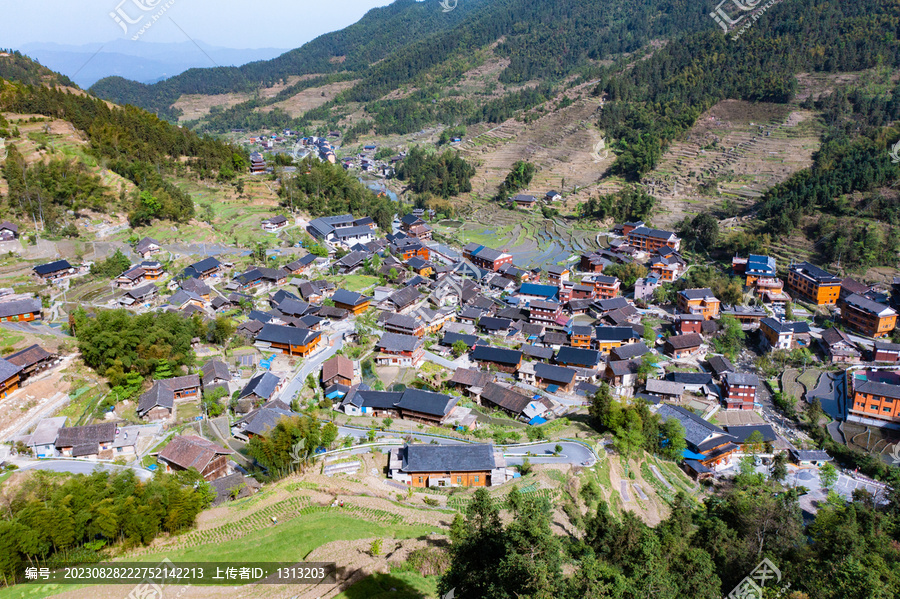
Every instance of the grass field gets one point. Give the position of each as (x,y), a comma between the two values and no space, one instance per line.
(293,539)
(355,283)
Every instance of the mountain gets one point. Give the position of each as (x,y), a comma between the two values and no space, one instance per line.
(380,33)
(140,61)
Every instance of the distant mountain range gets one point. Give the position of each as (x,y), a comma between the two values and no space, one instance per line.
(140,61)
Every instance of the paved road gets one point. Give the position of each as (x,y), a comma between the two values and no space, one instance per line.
(541,453)
(314,364)
(78,467)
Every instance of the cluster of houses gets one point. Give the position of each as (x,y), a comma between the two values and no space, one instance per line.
(529,341)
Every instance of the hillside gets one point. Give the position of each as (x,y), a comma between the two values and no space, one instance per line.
(67,152)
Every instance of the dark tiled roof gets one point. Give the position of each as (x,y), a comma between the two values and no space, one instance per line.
(486,353)
(22,306)
(627,352)
(72,436)
(426,402)
(690,378)
(28,356)
(578,357)
(554,374)
(720,364)
(396,342)
(614,333)
(404,297)
(192,452)
(262,385)
(535,351)
(52,267)
(348,298)
(282,335)
(685,341)
(743,432)
(215,369)
(879,389)
(451,338)
(505,398)
(448,458)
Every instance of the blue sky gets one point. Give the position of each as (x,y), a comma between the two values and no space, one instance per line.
(228,23)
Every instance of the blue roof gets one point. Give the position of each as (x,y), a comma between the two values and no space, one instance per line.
(537,420)
(547,291)
(760,264)
(690,455)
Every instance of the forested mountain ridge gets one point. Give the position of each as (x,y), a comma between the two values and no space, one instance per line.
(407,41)
(379,33)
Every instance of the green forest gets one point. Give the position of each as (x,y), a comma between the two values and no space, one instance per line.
(129,141)
(55,519)
(325,189)
(117,342)
(445,174)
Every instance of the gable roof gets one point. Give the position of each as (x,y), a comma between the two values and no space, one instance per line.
(162,393)
(262,385)
(397,342)
(578,357)
(632,350)
(720,364)
(21,306)
(52,267)
(505,398)
(470,377)
(426,402)
(662,387)
(448,458)
(337,366)
(192,452)
(450,338)
(282,335)
(73,436)
(697,430)
(555,374)
(605,333)
(498,355)
(404,297)
(685,341)
(348,298)
(215,369)
(28,356)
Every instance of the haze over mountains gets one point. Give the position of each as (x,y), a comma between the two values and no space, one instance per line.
(141,61)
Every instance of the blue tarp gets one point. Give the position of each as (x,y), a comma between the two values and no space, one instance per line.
(552,388)
(690,455)
(536,421)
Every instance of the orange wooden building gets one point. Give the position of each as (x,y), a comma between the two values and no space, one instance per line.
(814,284)
(469,465)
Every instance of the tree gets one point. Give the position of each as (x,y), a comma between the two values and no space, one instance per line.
(672,432)
(755,443)
(221,330)
(731,337)
(828,475)
(779,467)
(602,405)
(705,229)
(459,347)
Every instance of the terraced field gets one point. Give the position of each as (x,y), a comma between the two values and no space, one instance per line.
(736,150)
(530,238)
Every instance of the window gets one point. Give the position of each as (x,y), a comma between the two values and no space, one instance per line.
(476,478)
(420,480)
(459,480)
(873,407)
(886,409)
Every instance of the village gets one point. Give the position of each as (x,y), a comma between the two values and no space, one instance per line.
(446,359)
